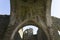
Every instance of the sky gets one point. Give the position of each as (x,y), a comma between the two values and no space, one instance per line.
(55,8)
(5,8)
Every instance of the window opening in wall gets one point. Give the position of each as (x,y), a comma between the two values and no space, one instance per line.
(30,29)
(58,32)
(30,32)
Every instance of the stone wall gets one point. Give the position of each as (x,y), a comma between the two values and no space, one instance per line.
(56,27)
(4,21)
(24,9)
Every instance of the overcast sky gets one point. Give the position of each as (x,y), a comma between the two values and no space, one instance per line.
(5,7)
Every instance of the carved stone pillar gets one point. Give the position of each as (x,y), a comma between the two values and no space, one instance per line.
(25,12)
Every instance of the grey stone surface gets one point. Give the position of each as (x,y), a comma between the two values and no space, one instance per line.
(56,27)
(32,10)
(4,21)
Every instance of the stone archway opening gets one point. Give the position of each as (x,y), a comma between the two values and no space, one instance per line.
(30,32)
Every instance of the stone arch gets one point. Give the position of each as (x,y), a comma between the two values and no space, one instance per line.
(31,22)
